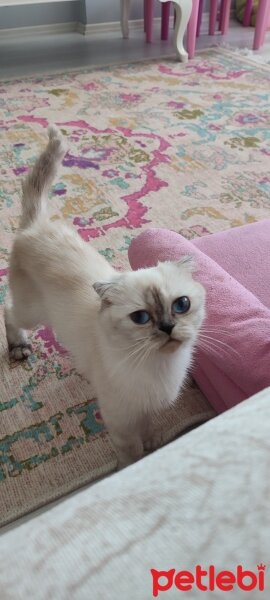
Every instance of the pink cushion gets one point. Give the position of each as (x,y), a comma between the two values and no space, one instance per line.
(233,268)
(244,253)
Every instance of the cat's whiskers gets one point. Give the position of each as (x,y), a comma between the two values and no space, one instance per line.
(214,351)
(145,355)
(209,329)
(214,345)
(208,349)
(136,348)
(210,346)
(218,342)
(136,343)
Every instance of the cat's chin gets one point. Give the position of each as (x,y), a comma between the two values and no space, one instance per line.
(170,346)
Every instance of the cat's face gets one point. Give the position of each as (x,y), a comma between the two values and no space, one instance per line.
(158,308)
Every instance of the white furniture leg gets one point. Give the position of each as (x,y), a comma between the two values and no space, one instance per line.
(125,6)
(183,10)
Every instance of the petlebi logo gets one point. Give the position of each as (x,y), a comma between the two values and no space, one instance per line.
(209,579)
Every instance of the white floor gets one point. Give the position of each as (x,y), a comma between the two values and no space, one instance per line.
(47,53)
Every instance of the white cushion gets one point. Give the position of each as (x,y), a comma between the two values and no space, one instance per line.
(203,499)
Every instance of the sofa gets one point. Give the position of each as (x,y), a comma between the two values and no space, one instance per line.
(153,528)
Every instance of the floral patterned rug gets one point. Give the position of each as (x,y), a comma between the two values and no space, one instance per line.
(152,144)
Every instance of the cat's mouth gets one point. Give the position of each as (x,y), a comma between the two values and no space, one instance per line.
(170,345)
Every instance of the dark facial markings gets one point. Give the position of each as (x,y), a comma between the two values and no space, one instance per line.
(157,303)
(159,315)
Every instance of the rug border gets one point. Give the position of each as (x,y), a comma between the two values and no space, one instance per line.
(218,49)
(105,471)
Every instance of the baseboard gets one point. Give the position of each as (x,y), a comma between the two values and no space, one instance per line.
(58,28)
(114,26)
(37,30)
(111,27)
(9,3)
(88,29)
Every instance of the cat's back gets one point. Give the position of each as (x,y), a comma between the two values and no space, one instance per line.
(56,251)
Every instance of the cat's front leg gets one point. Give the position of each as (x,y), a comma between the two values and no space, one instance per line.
(128,449)
(126,439)
(151,433)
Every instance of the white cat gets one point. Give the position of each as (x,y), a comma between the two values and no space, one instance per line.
(132,334)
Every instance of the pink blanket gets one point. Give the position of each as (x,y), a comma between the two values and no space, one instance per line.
(236,363)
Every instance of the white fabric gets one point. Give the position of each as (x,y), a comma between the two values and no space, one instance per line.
(204,499)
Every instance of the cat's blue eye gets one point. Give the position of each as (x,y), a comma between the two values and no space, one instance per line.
(181,305)
(141,317)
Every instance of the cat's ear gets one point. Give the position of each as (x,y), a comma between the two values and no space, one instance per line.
(101,287)
(108,291)
(187,262)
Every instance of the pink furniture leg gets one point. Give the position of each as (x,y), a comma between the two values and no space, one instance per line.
(192,28)
(199,22)
(262,23)
(144,15)
(225,16)
(220,16)
(149,18)
(213,16)
(165,19)
(247,13)
(182,9)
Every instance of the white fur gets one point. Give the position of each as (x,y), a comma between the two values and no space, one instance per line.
(133,368)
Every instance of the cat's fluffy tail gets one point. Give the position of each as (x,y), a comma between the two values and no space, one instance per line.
(39,180)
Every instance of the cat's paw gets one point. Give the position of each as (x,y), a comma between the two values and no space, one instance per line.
(154,441)
(20,351)
(127,452)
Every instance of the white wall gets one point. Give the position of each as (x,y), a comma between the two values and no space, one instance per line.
(90,11)
(100,11)
(24,16)
(97,11)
